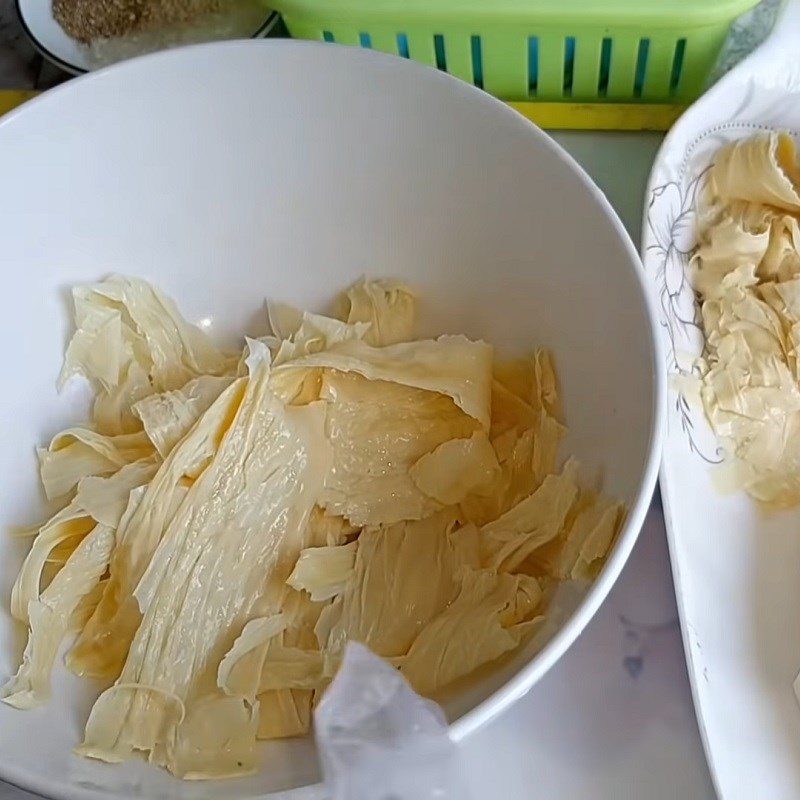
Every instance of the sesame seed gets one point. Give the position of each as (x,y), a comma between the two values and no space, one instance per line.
(86,20)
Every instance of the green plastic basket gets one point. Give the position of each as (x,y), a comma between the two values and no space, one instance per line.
(575,50)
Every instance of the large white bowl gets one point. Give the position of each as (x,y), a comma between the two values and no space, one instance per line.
(229,172)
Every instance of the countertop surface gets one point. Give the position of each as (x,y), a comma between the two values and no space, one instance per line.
(613,720)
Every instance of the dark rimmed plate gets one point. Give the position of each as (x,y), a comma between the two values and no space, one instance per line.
(70,55)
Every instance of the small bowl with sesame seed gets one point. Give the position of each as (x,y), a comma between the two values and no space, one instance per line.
(81,35)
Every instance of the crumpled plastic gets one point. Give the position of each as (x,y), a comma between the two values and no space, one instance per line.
(378,739)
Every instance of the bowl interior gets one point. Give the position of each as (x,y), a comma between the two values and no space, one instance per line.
(231,172)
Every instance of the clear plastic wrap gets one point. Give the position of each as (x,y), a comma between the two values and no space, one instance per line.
(379,740)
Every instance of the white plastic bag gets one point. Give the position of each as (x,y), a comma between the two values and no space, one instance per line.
(379,740)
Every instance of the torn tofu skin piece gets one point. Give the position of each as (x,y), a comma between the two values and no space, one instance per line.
(228,520)
(746,272)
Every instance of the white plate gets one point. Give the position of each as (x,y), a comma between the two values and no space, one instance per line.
(736,569)
(49,38)
(231,171)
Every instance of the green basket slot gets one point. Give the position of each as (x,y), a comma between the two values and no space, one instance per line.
(622,73)
(573,50)
(384,39)
(458,53)
(657,69)
(505,65)
(420,46)
(347,36)
(550,68)
(586,69)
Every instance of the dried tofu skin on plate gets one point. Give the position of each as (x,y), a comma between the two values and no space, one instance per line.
(229,520)
(746,270)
